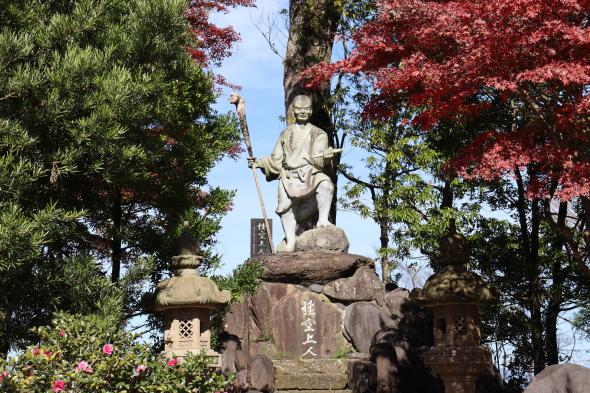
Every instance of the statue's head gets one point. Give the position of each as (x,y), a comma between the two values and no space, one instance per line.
(302,108)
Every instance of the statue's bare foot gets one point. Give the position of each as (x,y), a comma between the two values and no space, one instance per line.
(324,224)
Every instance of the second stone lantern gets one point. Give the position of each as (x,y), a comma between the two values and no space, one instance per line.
(454,295)
(186,300)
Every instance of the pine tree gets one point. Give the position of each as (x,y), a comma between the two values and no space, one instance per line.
(106,138)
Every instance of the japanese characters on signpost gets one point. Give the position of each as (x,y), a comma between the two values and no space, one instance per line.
(308,309)
(259,242)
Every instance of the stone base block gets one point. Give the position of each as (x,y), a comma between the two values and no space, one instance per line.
(311,375)
(314,391)
(322,239)
(311,267)
(311,382)
(319,366)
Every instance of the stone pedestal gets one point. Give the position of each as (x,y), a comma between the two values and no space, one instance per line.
(322,319)
(458,366)
(310,267)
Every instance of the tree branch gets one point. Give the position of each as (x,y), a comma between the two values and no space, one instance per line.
(571,243)
(10,95)
(358,181)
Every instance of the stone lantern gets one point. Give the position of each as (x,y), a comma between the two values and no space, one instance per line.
(454,295)
(186,300)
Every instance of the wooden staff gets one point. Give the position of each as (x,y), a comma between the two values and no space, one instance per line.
(240,104)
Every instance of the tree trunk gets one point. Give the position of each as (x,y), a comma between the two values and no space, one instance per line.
(312,27)
(530,247)
(447,195)
(116,241)
(384,238)
(555,294)
(535,292)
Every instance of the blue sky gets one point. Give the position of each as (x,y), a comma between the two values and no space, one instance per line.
(260,73)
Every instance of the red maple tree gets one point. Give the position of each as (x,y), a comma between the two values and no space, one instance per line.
(456,59)
(214,42)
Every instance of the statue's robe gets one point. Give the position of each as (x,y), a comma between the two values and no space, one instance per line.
(292,162)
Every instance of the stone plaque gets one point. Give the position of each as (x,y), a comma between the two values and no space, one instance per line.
(303,326)
(259,243)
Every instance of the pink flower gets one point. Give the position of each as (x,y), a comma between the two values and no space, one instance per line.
(172,362)
(48,354)
(62,333)
(141,368)
(107,349)
(35,351)
(84,366)
(3,375)
(58,385)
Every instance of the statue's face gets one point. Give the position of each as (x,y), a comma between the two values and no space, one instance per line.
(302,110)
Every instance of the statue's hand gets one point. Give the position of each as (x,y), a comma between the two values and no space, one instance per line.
(328,153)
(252,162)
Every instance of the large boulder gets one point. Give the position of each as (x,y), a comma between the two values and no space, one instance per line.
(290,321)
(386,364)
(364,285)
(230,344)
(311,267)
(261,303)
(362,320)
(562,378)
(399,366)
(397,302)
(362,376)
(322,239)
(262,374)
(234,320)
(307,325)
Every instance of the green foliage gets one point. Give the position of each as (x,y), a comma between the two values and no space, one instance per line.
(122,365)
(106,139)
(244,279)
(343,352)
(403,185)
(582,320)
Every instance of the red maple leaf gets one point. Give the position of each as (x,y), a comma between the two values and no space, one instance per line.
(450,58)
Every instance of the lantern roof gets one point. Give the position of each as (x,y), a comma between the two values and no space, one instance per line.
(454,283)
(186,288)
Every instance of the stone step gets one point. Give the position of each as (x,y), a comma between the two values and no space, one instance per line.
(311,366)
(311,382)
(311,375)
(314,391)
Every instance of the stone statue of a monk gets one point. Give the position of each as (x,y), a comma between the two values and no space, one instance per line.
(298,161)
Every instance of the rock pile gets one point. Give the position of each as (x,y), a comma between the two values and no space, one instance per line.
(323,322)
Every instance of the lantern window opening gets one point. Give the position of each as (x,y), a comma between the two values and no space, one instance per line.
(460,325)
(185,329)
(442,325)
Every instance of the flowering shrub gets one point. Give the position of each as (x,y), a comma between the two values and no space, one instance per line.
(91,354)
